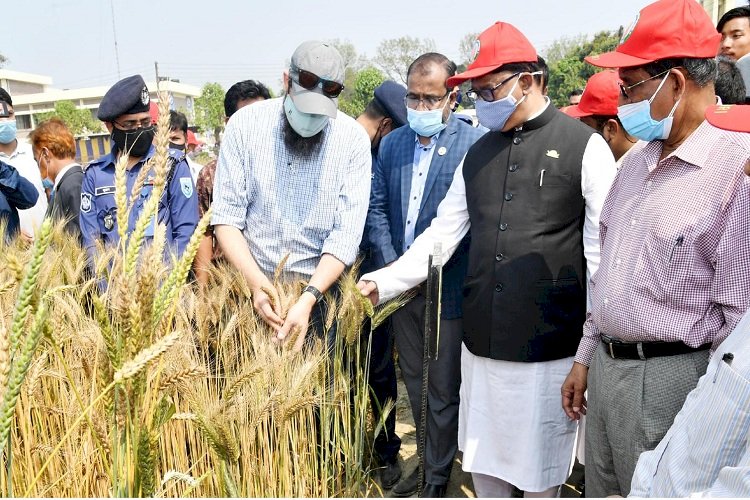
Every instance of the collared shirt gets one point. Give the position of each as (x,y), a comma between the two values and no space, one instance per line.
(422,160)
(62,173)
(452,223)
(705,452)
(22,159)
(195,168)
(675,260)
(287,204)
(177,209)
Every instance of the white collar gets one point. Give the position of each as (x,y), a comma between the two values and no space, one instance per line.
(62,173)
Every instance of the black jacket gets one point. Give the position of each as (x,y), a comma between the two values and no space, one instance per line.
(66,201)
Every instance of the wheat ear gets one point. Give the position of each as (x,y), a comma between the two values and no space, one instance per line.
(147,356)
(28,284)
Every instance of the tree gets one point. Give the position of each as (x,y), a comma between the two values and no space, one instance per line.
(3,60)
(466,49)
(562,46)
(361,92)
(571,71)
(351,59)
(79,121)
(209,110)
(395,55)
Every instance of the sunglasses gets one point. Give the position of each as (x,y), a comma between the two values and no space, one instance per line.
(309,81)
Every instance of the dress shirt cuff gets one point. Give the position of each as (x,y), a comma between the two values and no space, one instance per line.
(343,248)
(388,285)
(586,349)
(225,219)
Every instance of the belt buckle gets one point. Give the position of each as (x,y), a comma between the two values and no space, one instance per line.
(611,350)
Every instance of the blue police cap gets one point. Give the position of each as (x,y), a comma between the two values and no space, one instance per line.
(128,96)
(390,95)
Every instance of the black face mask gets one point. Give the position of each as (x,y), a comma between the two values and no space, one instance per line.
(136,142)
(179,147)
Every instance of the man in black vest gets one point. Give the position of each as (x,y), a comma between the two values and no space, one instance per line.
(531,191)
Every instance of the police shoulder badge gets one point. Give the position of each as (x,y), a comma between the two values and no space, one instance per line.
(85,202)
(186,184)
(144,96)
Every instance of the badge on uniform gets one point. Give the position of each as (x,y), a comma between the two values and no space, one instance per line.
(442,151)
(186,183)
(85,202)
(109,221)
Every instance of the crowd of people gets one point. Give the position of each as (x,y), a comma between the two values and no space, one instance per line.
(596,257)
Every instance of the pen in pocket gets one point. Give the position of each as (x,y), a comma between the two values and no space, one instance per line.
(678,243)
(541,177)
(727,358)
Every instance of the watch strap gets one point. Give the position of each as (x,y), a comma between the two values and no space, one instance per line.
(315,292)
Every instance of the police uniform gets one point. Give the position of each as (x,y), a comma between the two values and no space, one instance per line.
(178,206)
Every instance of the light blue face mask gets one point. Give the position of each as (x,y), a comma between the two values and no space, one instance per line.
(305,124)
(426,123)
(494,115)
(47,183)
(7,131)
(637,121)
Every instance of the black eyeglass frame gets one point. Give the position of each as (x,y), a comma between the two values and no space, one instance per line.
(472,94)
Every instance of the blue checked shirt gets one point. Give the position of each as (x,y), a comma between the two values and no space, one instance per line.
(286,204)
(705,452)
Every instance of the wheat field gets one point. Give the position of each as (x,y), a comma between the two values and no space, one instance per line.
(128,381)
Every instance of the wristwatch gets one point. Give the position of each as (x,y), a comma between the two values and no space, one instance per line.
(315,293)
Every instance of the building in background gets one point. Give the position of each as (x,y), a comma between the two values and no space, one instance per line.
(33,94)
(717,8)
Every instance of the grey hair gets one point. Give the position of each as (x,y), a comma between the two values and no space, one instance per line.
(700,71)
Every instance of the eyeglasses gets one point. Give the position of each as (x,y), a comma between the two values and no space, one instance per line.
(488,95)
(430,101)
(624,89)
(134,124)
(309,81)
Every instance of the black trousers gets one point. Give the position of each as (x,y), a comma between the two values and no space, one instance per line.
(384,388)
(441,441)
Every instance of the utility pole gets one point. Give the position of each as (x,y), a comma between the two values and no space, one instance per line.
(156,71)
(114,34)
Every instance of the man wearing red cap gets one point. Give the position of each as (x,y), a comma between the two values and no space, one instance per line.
(598,110)
(531,190)
(705,453)
(675,257)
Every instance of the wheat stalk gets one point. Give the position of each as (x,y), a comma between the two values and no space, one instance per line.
(28,284)
(147,356)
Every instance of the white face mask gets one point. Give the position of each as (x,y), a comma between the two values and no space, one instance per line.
(494,115)
(305,124)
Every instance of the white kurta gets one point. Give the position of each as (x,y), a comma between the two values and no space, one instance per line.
(511,423)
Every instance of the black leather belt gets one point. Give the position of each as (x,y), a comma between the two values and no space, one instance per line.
(617,349)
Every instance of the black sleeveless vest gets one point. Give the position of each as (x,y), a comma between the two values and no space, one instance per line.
(525,290)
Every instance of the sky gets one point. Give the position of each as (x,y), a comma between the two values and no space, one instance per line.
(225,41)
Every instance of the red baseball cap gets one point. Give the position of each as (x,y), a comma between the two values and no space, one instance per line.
(663,30)
(599,97)
(153,110)
(499,44)
(566,110)
(192,139)
(729,117)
